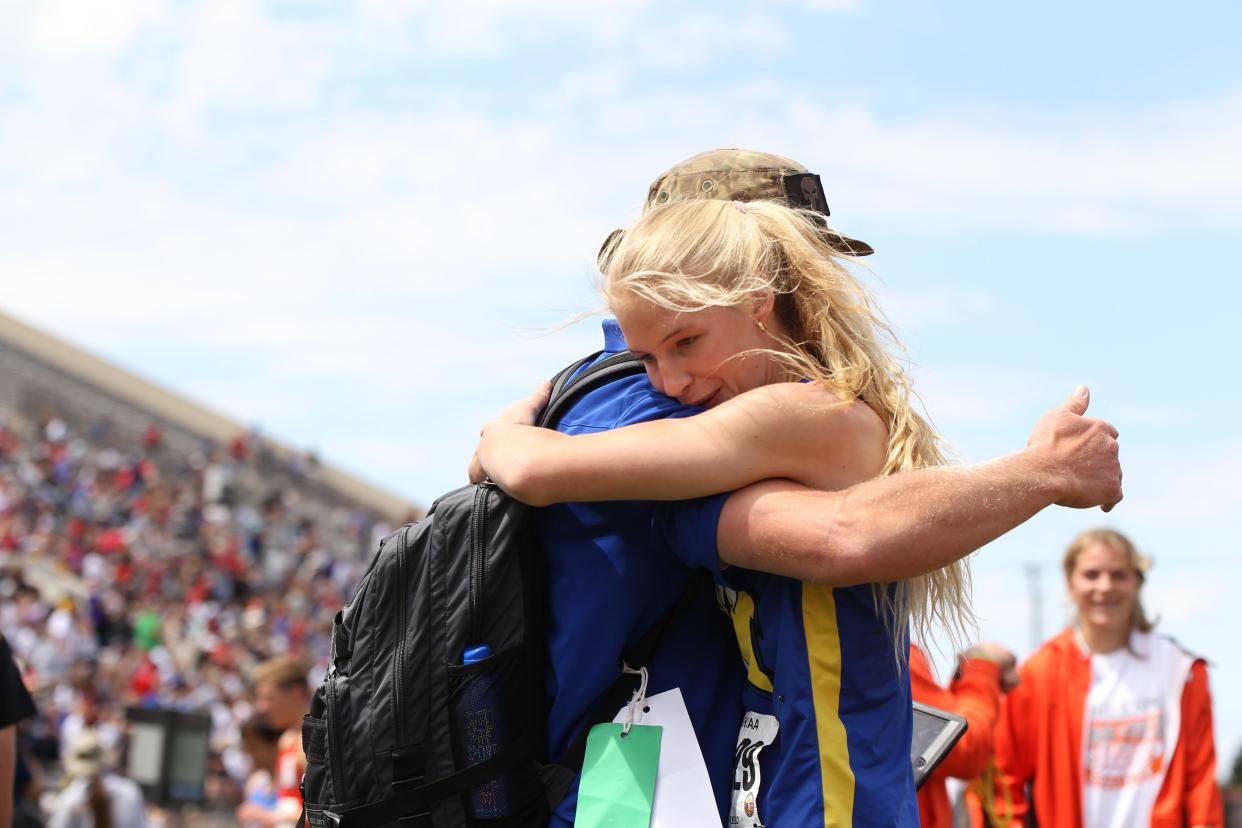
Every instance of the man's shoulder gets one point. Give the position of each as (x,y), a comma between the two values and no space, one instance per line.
(623,401)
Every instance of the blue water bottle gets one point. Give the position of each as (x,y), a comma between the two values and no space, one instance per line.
(482,735)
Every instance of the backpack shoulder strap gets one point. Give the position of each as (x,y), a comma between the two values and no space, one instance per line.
(573,382)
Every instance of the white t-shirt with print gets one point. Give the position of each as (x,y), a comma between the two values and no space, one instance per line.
(1130,728)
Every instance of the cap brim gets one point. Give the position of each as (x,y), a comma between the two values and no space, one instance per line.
(846,245)
(613,238)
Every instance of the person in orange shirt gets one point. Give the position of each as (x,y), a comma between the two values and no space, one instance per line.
(984,672)
(1112,724)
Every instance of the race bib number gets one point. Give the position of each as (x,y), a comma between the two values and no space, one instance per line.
(757,732)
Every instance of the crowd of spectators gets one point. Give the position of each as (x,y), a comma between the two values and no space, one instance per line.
(133,575)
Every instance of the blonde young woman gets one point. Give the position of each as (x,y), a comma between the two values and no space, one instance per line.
(745,310)
(1112,722)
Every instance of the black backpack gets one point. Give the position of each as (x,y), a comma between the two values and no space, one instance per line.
(414,725)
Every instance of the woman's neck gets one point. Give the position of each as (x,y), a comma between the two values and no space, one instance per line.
(1103,640)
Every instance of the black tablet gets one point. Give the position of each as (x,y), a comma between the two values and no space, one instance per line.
(936,731)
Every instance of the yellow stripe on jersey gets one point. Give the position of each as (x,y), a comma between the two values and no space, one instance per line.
(742,612)
(823,647)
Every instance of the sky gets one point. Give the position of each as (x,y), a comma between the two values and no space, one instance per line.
(363,225)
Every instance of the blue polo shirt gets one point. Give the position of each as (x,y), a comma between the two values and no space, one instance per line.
(614,570)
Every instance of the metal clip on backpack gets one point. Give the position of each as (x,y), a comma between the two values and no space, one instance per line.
(408,727)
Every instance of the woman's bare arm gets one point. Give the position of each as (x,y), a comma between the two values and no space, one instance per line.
(908,524)
(796,431)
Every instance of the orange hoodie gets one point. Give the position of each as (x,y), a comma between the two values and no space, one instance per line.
(1039,740)
(973,693)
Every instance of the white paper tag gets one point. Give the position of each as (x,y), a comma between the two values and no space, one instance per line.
(683,792)
(757,732)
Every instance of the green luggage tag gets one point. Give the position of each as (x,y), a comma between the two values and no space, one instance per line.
(619,768)
(618,776)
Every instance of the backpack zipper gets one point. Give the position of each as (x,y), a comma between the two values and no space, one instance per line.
(337,748)
(398,665)
(478,558)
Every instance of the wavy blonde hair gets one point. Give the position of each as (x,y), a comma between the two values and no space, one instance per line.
(690,255)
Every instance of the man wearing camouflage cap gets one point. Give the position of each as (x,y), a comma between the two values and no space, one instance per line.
(617,568)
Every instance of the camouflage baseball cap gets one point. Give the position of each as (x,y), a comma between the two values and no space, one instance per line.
(747,175)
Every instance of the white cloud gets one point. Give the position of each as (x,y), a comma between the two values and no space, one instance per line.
(64,28)
(1117,171)
(699,39)
(582,86)
(491,27)
(1112,173)
(1104,173)
(235,59)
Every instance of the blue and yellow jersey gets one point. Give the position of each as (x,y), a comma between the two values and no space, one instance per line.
(830,701)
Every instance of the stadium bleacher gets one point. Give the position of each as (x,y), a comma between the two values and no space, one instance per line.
(152,551)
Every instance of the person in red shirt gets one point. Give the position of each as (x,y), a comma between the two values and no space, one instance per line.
(984,672)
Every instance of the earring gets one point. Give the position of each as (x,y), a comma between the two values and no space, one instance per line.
(762,327)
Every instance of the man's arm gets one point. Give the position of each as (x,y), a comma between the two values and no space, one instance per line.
(908,524)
